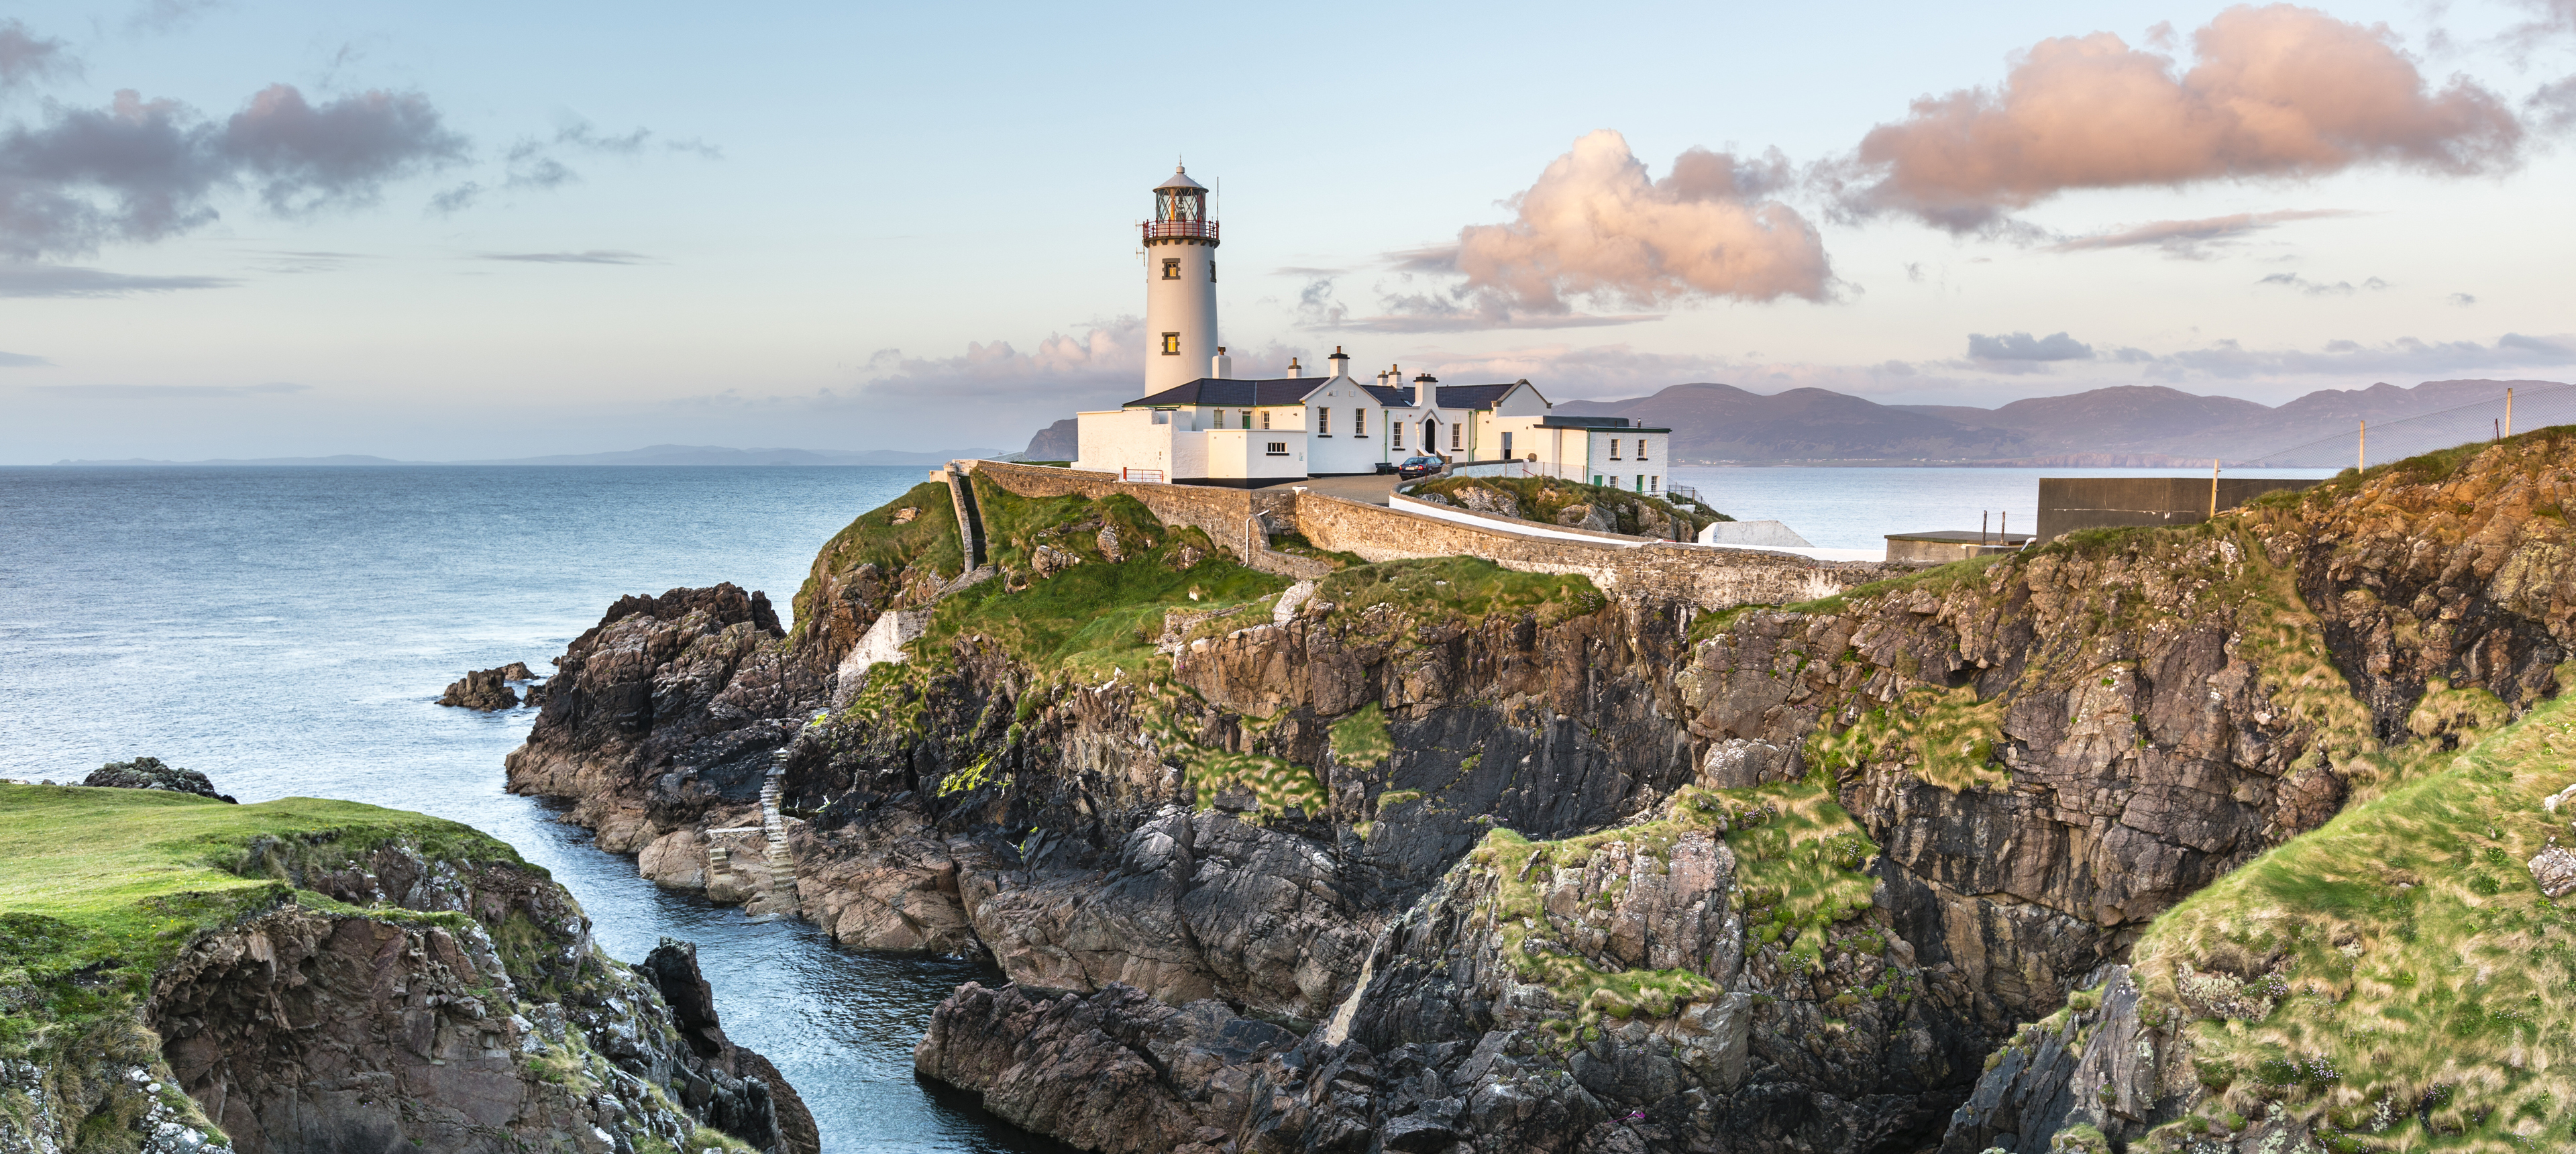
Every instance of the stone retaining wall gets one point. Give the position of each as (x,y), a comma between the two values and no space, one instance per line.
(1709,578)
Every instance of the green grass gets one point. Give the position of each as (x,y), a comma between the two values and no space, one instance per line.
(2401,953)
(1797,854)
(1098,615)
(107,884)
(1946,737)
(1440,590)
(929,540)
(1361,740)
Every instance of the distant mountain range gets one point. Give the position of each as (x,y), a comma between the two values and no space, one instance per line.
(649,455)
(2130,425)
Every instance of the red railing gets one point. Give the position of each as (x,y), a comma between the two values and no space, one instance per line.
(1189,229)
(1151,476)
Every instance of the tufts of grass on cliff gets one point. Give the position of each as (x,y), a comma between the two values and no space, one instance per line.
(1095,614)
(2395,977)
(1396,598)
(104,885)
(927,539)
(1797,873)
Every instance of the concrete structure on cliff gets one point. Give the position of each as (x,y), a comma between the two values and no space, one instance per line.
(1218,429)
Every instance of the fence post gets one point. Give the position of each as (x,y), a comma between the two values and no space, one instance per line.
(2361,453)
(2508,411)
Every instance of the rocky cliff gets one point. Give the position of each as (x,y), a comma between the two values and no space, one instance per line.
(1428,852)
(317,976)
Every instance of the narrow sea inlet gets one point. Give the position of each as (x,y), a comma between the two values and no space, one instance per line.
(286,631)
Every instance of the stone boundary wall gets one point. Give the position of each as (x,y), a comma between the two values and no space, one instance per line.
(1709,578)
(1522,526)
(1218,512)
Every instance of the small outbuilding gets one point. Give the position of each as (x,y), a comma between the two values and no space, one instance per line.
(1947,545)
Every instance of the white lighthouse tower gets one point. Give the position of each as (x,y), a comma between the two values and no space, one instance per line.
(1180,284)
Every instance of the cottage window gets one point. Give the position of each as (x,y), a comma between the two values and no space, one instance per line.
(1641,448)
(1359,422)
(1456,432)
(1614,448)
(1265,418)
(1276,449)
(1395,434)
(1323,422)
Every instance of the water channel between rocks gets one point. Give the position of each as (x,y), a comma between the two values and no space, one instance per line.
(285,630)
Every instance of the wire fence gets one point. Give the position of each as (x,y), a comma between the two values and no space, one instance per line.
(2376,442)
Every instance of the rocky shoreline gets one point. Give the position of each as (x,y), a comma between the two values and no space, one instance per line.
(1444,857)
(361,979)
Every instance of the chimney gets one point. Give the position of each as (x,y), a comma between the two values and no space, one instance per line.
(1294,370)
(1424,384)
(1221,366)
(1341,362)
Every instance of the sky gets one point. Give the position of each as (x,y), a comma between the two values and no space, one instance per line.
(236,229)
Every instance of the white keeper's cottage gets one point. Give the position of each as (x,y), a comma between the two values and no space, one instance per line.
(1219,429)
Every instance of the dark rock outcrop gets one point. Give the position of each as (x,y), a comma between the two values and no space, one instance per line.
(483,689)
(2045,751)
(152,773)
(448,997)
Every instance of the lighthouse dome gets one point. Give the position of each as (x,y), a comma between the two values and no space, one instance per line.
(1180,179)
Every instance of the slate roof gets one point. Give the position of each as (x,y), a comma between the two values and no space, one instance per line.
(1474,396)
(1391,398)
(1235,391)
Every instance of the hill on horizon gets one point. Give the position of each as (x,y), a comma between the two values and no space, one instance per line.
(2138,425)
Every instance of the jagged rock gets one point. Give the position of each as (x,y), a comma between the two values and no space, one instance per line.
(1592,517)
(1049,560)
(303,1029)
(2121,720)
(2555,871)
(1484,500)
(151,773)
(1109,546)
(1118,1072)
(904,516)
(484,689)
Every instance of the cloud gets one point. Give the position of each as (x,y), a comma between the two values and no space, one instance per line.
(1594,226)
(2341,288)
(31,279)
(2191,239)
(532,163)
(26,58)
(2462,300)
(2405,355)
(2277,91)
(168,392)
(142,170)
(594,256)
(162,16)
(2023,347)
(21,361)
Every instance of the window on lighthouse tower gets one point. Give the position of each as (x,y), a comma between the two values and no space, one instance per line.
(1172,269)
(1171,344)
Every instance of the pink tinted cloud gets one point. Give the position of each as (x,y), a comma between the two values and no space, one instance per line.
(2277,91)
(1594,225)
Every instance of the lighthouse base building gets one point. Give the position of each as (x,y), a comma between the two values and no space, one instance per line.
(1218,429)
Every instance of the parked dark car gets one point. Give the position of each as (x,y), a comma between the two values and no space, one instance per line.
(1419,467)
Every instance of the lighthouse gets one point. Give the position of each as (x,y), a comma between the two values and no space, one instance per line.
(1180,284)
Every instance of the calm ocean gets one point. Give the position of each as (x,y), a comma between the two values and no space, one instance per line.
(286,630)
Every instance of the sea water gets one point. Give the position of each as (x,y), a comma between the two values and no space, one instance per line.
(287,630)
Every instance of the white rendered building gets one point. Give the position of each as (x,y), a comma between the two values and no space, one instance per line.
(1217,429)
